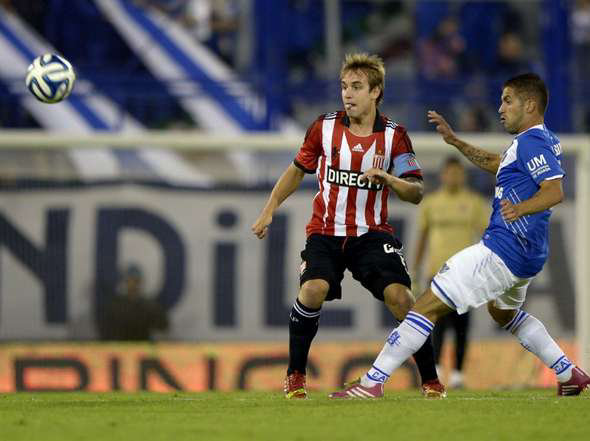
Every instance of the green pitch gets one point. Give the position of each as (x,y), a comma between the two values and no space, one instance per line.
(522,416)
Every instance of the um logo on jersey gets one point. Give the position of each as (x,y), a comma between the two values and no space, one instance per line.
(538,165)
(536,162)
(499,192)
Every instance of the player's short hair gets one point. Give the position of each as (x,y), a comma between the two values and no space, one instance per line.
(371,65)
(530,85)
(452,160)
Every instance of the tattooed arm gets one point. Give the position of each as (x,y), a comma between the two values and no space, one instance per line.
(483,159)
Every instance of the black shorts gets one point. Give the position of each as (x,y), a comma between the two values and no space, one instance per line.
(375,259)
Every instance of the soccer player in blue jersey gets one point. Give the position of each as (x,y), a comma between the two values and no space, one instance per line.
(498,270)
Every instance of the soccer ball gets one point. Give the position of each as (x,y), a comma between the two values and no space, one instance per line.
(50,78)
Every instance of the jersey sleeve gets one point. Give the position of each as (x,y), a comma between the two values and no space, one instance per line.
(311,150)
(538,159)
(404,160)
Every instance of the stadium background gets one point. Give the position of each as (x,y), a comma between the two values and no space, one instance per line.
(72,215)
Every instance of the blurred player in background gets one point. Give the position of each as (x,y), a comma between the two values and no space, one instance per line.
(131,315)
(498,270)
(450,219)
(358,156)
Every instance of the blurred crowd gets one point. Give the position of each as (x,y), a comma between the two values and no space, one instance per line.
(452,55)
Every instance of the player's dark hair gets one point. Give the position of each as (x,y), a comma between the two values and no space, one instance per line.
(530,85)
(452,160)
(371,65)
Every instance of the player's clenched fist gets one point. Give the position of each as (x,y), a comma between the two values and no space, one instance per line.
(375,176)
(260,227)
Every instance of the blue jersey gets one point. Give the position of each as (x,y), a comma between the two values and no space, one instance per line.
(523,245)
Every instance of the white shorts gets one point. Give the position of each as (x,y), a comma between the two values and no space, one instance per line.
(475,276)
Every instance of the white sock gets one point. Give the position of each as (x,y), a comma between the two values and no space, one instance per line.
(406,339)
(534,337)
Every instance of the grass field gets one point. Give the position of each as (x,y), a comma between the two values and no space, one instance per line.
(523,415)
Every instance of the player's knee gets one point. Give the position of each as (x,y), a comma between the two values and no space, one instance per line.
(500,316)
(313,293)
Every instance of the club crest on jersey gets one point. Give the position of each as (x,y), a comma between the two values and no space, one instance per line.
(349,178)
(378,161)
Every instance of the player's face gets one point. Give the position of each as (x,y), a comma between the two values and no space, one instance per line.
(511,111)
(453,177)
(358,100)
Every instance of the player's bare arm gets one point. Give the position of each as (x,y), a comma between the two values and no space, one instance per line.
(549,195)
(483,159)
(285,186)
(407,189)
(420,251)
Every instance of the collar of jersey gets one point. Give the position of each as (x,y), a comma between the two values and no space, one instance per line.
(538,126)
(378,125)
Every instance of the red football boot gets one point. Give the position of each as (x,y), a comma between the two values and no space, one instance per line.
(356,390)
(434,389)
(575,385)
(295,386)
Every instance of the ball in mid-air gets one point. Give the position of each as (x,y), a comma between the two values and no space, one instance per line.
(50,78)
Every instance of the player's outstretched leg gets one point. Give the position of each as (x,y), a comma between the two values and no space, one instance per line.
(534,337)
(404,341)
(303,326)
(399,300)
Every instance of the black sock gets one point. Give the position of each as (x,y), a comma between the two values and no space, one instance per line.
(303,326)
(424,359)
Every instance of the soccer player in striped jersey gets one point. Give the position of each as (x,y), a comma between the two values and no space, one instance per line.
(514,247)
(358,156)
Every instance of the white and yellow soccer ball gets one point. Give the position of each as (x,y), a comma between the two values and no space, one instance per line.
(50,78)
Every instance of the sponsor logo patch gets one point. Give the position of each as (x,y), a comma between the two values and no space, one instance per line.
(348,178)
(538,165)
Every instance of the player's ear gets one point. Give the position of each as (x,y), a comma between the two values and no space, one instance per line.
(530,105)
(375,92)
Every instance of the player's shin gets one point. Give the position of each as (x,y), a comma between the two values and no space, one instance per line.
(404,341)
(424,358)
(303,326)
(534,337)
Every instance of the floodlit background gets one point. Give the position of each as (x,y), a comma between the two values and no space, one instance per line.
(184,114)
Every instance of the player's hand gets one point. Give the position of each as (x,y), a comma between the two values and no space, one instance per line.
(375,176)
(509,211)
(260,227)
(442,127)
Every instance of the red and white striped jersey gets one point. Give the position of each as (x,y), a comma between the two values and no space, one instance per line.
(344,206)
